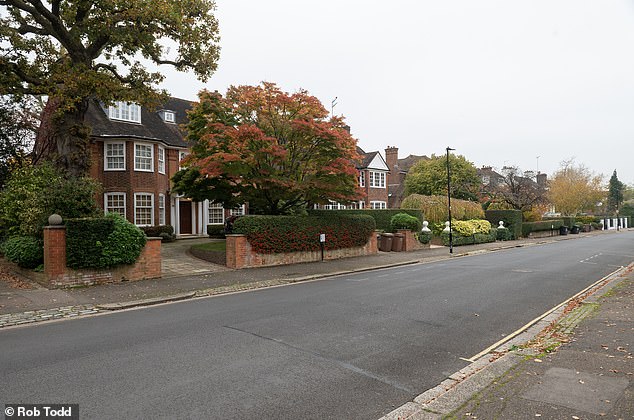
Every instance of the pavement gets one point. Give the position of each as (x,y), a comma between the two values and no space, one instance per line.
(575,363)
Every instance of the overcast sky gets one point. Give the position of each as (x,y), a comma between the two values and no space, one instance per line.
(502,82)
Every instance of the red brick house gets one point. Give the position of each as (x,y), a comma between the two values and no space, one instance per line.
(398,172)
(135,154)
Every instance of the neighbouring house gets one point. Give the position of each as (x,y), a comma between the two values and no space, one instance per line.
(135,153)
(372,173)
(512,186)
(398,169)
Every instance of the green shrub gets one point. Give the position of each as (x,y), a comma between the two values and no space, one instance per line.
(33,193)
(279,234)
(567,220)
(425,237)
(165,232)
(216,231)
(469,227)
(512,220)
(435,208)
(85,239)
(382,218)
(405,221)
(478,238)
(25,251)
(103,242)
(544,225)
(503,234)
(587,220)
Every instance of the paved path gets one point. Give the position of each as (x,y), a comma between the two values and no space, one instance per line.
(176,260)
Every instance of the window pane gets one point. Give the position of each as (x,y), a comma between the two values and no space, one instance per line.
(216,214)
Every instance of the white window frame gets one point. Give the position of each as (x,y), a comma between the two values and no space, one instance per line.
(377,179)
(136,206)
(169,116)
(106,209)
(181,155)
(125,111)
(213,209)
(151,157)
(362,179)
(105,155)
(161,160)
(378,205)
(161,209)
(240,211)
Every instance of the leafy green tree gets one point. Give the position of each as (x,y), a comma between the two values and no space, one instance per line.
(277,151)
(615,193)
(18,123)
(429,177)
(33,193)
(74,51)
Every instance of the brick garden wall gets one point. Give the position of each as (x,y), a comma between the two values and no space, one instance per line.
(241,255)
(147,266)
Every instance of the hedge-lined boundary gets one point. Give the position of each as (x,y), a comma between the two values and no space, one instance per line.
(512,220)
(544,225)
(382,218)
(567,220)
(478,238)
(102,242)
(282,234)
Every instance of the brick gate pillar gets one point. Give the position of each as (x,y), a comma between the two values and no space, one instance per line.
(54,251)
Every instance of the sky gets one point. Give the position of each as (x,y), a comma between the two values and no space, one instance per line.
(506,83)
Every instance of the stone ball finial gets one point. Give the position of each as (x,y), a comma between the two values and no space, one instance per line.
(54,220)
(501,224)
(425,226)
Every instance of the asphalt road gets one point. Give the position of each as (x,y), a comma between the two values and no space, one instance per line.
(353,346)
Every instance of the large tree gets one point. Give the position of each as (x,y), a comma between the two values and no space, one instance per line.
(74,51)
(615,193)
(429,177)
(574,189)
(519,191)
(277,151)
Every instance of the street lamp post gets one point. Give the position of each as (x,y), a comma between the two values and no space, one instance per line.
(449,200)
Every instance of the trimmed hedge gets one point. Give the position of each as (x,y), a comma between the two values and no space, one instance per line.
(503,234)
(216,231)
(102,242)
(280,234)
(512,220)
(478,238)
(567,220)
(425,237)
(405,221)
(85,240)
(165,232)
(544,225)
(25,251)
(382,218)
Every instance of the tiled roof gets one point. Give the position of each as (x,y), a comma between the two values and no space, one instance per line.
(152,126)
(406,164)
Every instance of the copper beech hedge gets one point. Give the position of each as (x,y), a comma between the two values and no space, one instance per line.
(281,234)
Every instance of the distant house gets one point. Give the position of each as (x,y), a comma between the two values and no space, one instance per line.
(135,154)
(398,172)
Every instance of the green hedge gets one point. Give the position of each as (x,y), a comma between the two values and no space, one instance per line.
(165,232)
(405,221)
(544,225)
(25,251)
(280,234)
(567,220)
(512,220)
(382,218)
(478,238)
(425,237)
(216,231)
(102,242)
(503,234)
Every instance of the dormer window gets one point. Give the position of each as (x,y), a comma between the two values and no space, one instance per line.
(124,111)
(169,116)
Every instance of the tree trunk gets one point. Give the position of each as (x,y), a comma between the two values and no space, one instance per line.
(64,138)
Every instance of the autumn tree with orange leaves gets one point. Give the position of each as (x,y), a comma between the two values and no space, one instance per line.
(279,152)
